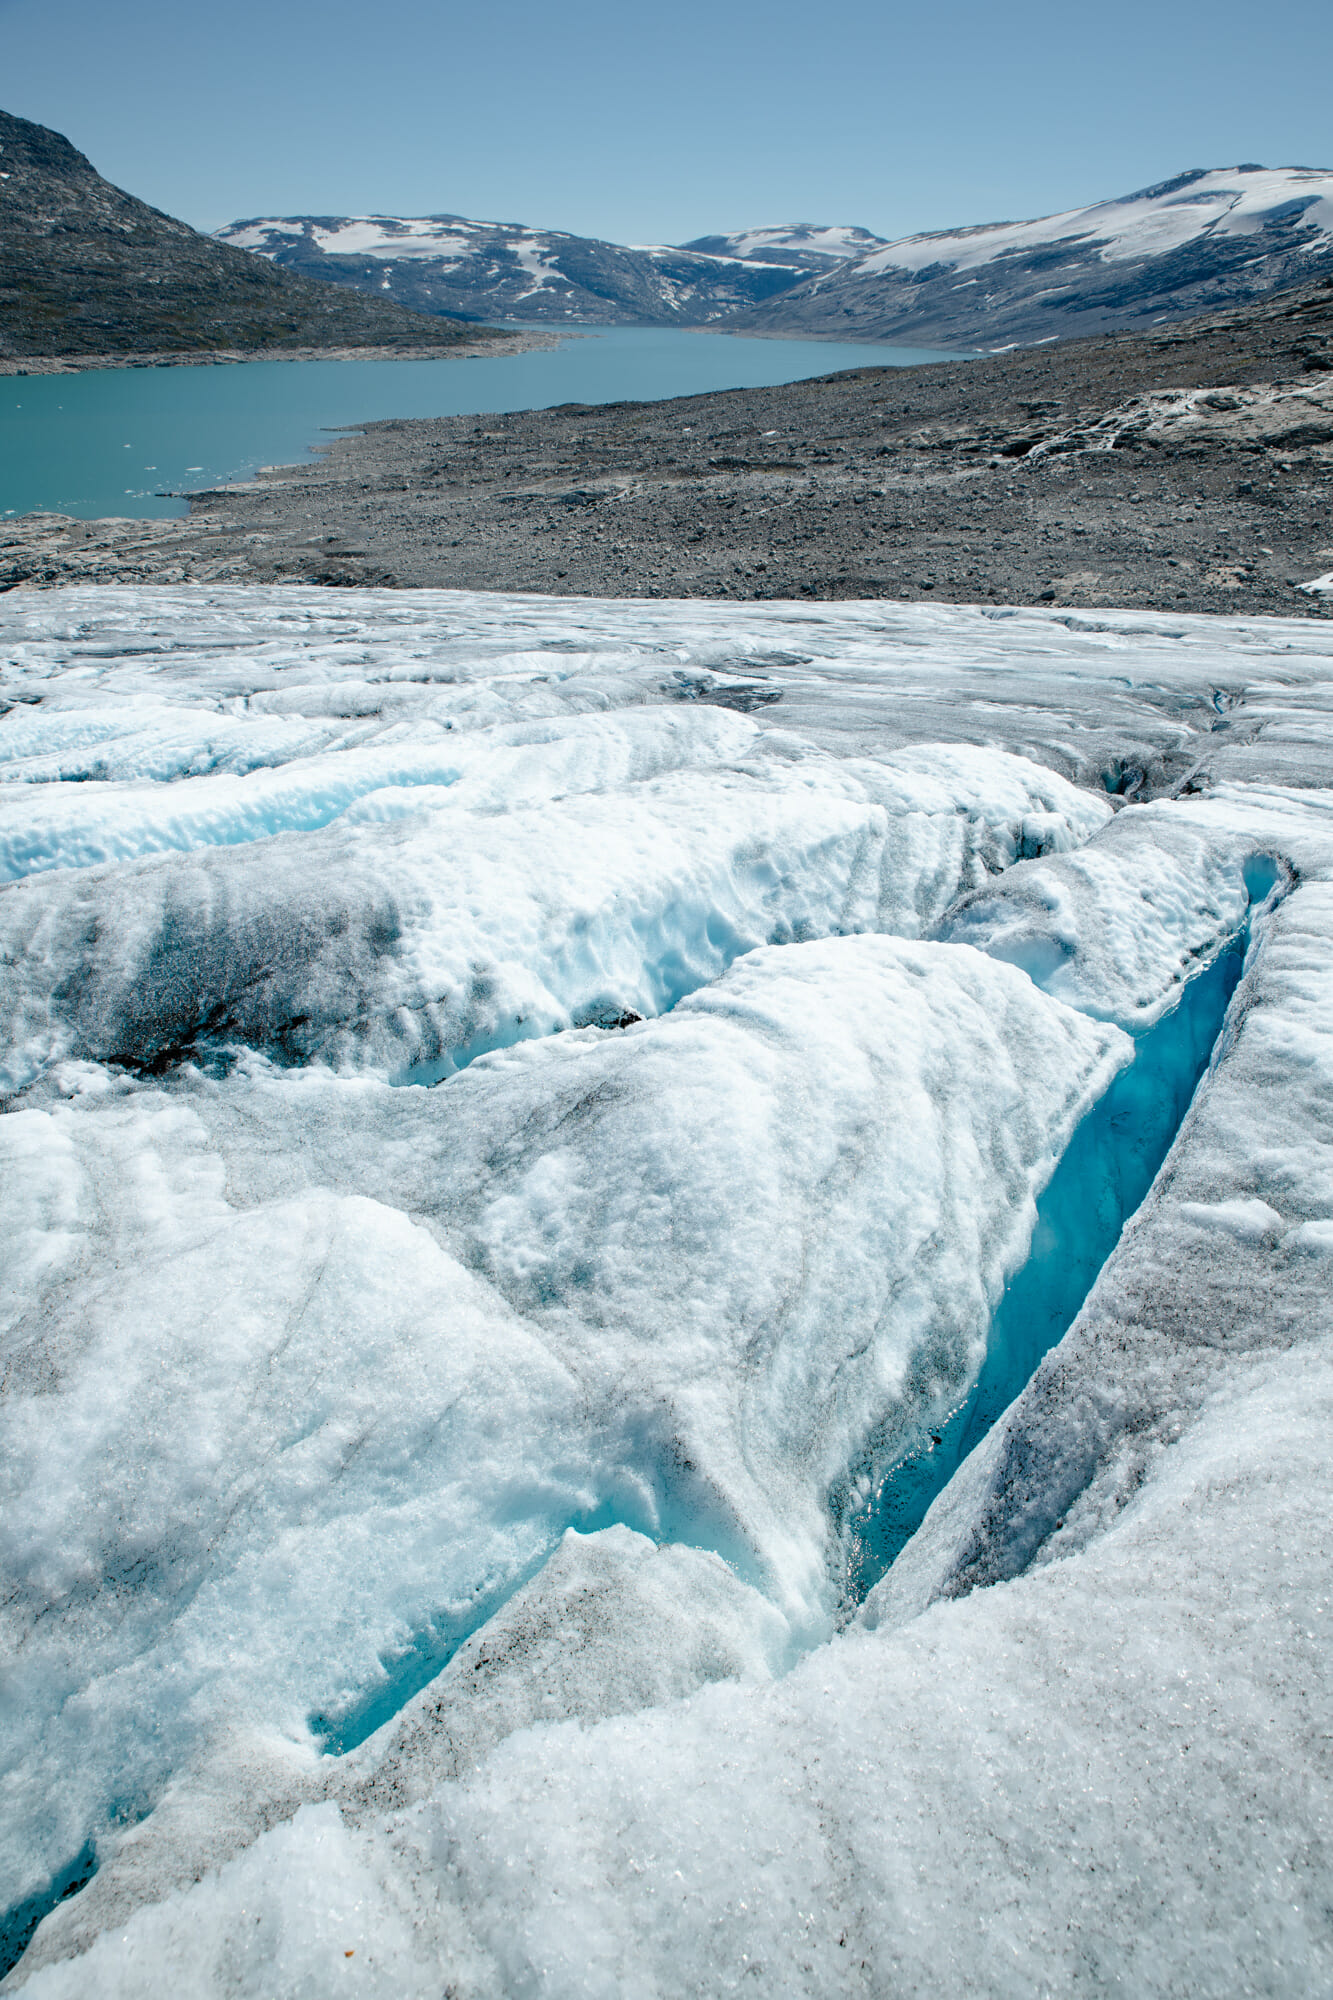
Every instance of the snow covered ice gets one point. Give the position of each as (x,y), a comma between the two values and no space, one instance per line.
(528,1123)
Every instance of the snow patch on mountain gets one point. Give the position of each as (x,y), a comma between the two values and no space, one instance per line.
(1226,202)
(446,263)
(446,239)
(810,243)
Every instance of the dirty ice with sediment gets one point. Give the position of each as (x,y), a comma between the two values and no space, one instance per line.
(668,1296)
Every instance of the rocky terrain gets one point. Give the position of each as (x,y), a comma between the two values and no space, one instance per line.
(1205,240)
(502,270)
(89,273)
(1185,470)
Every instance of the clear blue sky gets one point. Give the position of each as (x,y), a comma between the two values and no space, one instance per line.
(658,123)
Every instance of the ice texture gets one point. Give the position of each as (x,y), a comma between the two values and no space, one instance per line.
(1105,1773)
(433,932)
(680,1277)
(439,1403)
(1075,922)
(406,902)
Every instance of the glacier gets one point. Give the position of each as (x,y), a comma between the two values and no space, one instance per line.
(667,1310)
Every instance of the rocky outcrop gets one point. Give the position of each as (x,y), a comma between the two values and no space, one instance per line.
(89,271)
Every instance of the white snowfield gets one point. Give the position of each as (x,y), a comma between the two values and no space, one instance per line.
(525,1118)
(447,239)
(836,242)
(1227,201)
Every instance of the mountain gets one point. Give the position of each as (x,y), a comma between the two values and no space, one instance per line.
(448,264)
(1208,239)
(813,246)
(86,269)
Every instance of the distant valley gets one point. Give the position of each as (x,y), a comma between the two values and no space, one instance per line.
(1183,469)
(1206,240)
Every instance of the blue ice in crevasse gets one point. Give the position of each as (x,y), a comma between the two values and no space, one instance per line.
(427,1655)
(1103,1177)
(18,1923)
(682,1511)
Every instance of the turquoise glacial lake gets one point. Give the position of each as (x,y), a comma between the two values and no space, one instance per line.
(131,441)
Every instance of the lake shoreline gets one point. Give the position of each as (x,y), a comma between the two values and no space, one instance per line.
(1183,471)
(488,344)
(127,441)
(497,341)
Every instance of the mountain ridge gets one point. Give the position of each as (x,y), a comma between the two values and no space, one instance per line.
(474,269)
(88,272)
(1200,241)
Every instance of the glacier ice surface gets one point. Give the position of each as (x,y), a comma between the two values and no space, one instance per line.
(520,1113)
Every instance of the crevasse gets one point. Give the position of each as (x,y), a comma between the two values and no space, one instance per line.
(1103,1177)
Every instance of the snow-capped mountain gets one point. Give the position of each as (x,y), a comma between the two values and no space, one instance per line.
(813,245)
(1205,239)
(502,270)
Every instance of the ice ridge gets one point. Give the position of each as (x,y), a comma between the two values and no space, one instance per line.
(435,1518)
